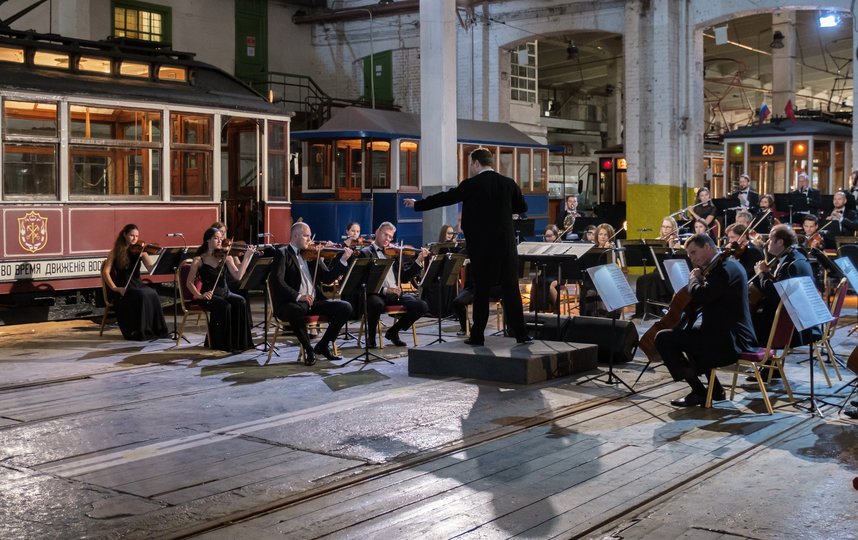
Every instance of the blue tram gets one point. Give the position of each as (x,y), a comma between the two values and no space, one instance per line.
(360,164)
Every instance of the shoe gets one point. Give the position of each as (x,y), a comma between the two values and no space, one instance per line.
(691,400)
(461,333)
(393,337)
(475,341)
(371,345)
(719,395)
(776,376)
(851,413)
(524,340)
(854,402)
(325,351)
(309,357)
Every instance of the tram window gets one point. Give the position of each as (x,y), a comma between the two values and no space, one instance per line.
(319,166)
(115,172)
(29,119)
(278,160)
(29,170)
(409,164)
(51,59)
(115,124)
(539,170)
(378,164)
(134,69)
(191,156)
(822,164)
(523,177)
(172,73)
(505,162)
(12,54)
(93,64)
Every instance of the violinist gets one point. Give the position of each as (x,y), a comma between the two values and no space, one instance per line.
(391,291)
(813,238)
(751,254)
(353,238)
(703,209)
(651,286)
(721,294)
(489,201)
(789,263)
(589,234)
(229,314)
(843,222)
(765,218)
(295,292)
(138,308)
(604,235)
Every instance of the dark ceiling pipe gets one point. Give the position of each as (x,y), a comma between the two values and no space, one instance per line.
(9,20)
(400,7)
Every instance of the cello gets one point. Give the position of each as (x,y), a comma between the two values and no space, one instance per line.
(682,310)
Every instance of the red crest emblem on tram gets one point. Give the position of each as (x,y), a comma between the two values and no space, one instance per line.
(33,231)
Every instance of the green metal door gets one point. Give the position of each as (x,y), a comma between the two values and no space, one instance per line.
(383,63)
(251,40)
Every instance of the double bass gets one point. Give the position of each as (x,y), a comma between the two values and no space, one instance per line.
(682,309)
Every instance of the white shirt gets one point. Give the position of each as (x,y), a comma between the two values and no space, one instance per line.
(306,288)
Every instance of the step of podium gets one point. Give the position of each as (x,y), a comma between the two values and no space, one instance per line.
(503,360)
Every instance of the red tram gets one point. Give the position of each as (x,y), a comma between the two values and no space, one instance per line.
(97,134)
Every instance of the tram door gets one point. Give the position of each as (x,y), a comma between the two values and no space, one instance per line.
(241,152)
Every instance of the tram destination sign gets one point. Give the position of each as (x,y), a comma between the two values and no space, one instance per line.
(768,150)
(44,270)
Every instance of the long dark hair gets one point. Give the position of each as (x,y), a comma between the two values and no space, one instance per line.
(120,247)
(442,234)
(206,237)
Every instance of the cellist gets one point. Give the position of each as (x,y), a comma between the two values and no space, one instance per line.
(719,289)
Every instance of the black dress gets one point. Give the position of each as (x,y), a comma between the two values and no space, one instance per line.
(138,312)
(229,315)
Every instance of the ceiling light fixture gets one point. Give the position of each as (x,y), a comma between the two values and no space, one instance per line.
(777,40)
(829,19)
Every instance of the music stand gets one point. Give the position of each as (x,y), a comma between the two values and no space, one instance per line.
(443,270)
(616,294)
(168,261)
(807,310)
(366,275)
(523,228)
(255,279)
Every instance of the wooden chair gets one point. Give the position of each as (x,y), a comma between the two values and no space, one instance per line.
(108,302)
(499,323)
(763,358)
(828,331)
(394,311)
(187,305)
(312,321)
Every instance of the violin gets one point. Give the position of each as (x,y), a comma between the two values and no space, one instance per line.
(322,250)
(815,241)
(405,251)
(682,308)
(142,247)
(233,249)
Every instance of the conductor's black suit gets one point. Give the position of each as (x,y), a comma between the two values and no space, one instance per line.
(285,283)
(488,202)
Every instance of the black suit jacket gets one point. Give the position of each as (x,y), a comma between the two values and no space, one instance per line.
(284,278)
(753,200)
(723,295)
(488,202)
(845,227)
(794,264)
(410,268)
(813,196)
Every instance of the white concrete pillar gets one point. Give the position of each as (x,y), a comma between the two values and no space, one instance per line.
(438,109)
(854,153)
(783,63)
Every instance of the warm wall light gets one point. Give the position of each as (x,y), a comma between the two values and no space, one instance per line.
(777,40)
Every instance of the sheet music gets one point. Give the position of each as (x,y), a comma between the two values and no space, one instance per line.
(612,286)
(848,270)
(677,273)
(803,303)
(553,248)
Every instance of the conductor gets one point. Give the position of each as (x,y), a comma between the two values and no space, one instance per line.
(488,202)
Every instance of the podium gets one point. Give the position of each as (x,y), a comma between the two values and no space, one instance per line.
(168,262)
(366,276)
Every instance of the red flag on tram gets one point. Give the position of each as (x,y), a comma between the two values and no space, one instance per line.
(790,113)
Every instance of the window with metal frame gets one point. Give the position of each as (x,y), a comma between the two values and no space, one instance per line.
(141,20)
